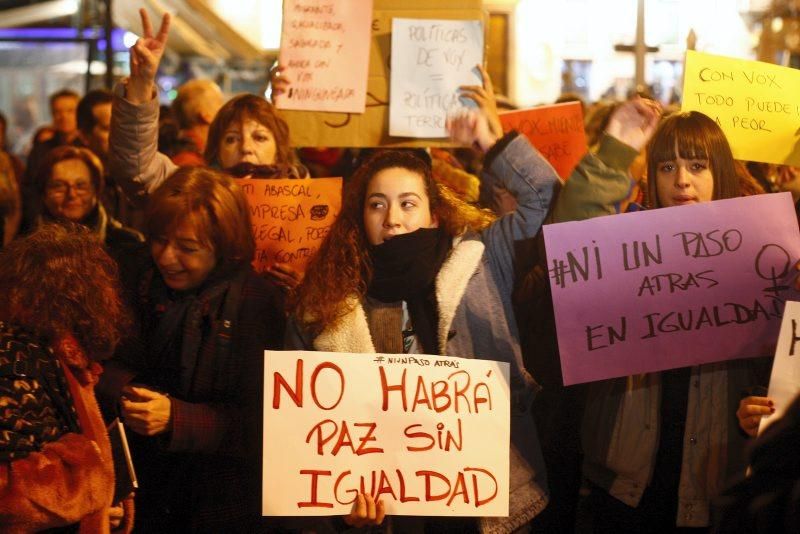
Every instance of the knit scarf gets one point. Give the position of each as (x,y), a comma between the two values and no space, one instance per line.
(405,268)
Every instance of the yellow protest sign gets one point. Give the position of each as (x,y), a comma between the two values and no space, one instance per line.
(291,217)
(756,104)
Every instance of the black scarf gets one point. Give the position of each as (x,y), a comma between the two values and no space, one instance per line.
(176,329)
(405,268)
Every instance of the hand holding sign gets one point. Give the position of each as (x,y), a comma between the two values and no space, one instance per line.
(484,97)
(278,81)
(751,410)
(366,512)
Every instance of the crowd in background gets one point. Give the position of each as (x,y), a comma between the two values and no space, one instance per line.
(129,292)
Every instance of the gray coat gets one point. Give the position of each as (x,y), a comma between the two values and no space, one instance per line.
(473,292)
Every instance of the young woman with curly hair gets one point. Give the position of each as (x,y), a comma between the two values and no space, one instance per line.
(189,382)
(61,314)
(408,268)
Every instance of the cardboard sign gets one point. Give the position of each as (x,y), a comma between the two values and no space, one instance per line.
(430,60)
(429,435)
(784,384)
(370,129)
(556,131)
(671,287)
(291,218)
(755,103)
(325,49)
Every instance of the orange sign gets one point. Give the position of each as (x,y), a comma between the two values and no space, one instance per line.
(291,218)
(556,131)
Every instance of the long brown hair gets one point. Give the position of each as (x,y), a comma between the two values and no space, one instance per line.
(696,136)
(342,269)
(256,108)
(59,280)
(214,205)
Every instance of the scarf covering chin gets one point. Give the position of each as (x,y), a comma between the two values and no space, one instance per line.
(405,268)
(277,170)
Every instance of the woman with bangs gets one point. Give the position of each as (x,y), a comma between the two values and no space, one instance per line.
(660,446)
(189,384)
(246,139)
(409,268)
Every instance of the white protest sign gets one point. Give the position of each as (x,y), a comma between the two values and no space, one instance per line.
(784,384)
(430,60)
(325,50)
(429,435)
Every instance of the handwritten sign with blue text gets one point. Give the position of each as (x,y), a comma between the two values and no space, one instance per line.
(410,430)
(430,60)
(673,287)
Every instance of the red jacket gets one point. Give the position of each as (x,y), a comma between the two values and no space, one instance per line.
(70,480)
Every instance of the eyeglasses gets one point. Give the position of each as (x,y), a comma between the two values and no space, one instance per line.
(61,188)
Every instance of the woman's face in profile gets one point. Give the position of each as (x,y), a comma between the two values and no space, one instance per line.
(247,141)
(182,258)
(396,203)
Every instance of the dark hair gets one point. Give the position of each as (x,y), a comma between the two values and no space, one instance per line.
(86,120)
(341,269)
(696,136)
(63,93)
(215,206)
(258,109)
(68,152)
(59,280)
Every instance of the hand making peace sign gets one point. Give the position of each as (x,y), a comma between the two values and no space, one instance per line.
(146,55)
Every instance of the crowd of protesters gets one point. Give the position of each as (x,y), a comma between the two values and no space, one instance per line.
(129,292)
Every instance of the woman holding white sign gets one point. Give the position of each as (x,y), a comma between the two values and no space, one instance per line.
(660,446)
(408,268)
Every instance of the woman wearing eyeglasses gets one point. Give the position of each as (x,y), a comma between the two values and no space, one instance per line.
(69,185)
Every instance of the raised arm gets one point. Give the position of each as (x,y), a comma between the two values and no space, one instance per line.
(511,162)
(134,158)
(600,182)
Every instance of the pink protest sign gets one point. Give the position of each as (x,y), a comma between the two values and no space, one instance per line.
(673,287)
(325,51)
